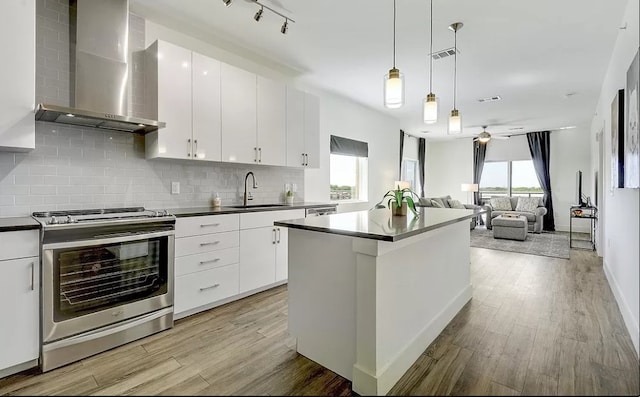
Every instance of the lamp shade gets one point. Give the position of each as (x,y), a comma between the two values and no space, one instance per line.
(469,187)
(455,123)
(393,89)
(401,185)
(430,111)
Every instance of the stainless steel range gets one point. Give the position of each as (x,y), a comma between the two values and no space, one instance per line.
(107,279)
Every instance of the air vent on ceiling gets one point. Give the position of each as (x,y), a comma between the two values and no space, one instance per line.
(444,53)
(490,99)
(516,128)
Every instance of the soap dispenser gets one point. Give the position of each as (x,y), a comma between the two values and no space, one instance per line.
(216,201)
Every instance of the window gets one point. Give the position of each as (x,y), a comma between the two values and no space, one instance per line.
(348,169)
(410,173)
(509,178)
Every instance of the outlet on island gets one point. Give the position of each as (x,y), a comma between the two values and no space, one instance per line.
(175,187)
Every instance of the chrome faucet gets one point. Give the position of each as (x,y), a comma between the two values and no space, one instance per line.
(255,186)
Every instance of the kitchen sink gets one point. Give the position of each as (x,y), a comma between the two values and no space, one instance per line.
(259,206)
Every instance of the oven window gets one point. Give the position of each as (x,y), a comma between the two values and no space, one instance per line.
(90,279)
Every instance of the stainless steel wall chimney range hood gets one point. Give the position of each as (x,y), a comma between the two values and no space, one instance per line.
(102,72)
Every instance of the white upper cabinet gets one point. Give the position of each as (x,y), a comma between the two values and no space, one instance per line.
(206,108)
(239,130)
(303,129)
(17,96)
(271,114)
(183,90)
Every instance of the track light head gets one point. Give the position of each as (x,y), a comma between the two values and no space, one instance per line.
(258,15)
(227,2)
(285,27)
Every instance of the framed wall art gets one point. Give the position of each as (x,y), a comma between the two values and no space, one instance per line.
(631,134)
(617,140)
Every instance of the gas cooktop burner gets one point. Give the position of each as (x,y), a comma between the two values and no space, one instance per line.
(99,216)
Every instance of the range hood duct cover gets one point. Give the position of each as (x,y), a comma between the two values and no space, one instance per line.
(102,72)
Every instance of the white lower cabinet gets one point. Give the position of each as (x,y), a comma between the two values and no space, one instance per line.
(263,248)
(20,293)
(220,258)
(206,262)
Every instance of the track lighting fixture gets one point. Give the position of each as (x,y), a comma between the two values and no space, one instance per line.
(258,15)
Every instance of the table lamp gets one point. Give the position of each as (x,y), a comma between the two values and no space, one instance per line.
(401,184)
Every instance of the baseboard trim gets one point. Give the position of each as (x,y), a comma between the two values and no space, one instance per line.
(372,384)
(627,316)
(18,368)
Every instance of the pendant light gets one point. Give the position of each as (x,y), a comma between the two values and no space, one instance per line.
(430,110)
(394,80)
(455,122)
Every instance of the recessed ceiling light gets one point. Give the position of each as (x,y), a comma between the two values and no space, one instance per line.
(567,127)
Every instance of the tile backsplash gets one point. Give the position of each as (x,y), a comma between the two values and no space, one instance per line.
(75,168)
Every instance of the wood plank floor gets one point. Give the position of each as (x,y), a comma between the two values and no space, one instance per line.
(535,326)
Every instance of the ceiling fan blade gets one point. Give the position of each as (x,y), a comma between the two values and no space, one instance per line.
(500,137)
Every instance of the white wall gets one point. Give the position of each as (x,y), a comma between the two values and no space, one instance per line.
(619,221)
(449,164)
(338,116)
(570,152)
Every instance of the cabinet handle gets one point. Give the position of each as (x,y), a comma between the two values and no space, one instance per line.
(306,159)
(255,154)
(209,287)
(303,159)
(188,147)
(278,229)
(259,155)
(211,243)
(195,152)
(33,276)
(210,225)
(274,236)
(209,261)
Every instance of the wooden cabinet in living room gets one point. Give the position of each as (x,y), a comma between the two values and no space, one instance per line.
(182,90)
(20,293)
(303,129)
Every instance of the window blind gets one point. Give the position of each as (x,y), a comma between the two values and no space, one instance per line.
(349,147)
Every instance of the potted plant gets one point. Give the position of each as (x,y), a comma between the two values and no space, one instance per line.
(288,197)
(400,199)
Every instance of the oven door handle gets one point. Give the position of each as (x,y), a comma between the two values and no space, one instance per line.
(109,240)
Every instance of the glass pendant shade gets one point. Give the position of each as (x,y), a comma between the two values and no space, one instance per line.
(455,123)
(430,111)
(393,89)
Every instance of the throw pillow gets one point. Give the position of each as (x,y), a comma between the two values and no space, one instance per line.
(437,203)
(501,204)
(527,204)
(456,204)
(424,202)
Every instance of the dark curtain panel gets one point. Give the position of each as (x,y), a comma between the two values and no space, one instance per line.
(479,153)
(401,154)
(421,159)
(539,146)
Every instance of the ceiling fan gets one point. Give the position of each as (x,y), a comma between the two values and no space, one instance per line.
(485,137)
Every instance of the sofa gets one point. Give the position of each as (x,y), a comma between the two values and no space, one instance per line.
(448,202)
(531,207)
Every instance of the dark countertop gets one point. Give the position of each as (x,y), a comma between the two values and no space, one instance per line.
(379,224)
(12,224)
(200,211)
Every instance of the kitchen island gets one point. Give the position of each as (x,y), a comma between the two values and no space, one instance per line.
(368,291)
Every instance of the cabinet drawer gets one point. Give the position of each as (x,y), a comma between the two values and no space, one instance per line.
(206,243)
(20,244)
(201,288)
(196,225)
(261,219)
(209,260)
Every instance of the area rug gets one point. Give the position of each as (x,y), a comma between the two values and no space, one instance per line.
(552,244)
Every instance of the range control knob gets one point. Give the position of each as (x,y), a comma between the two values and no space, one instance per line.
(165,212)
(70,219)
(53,221)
